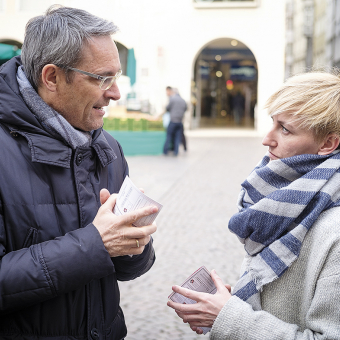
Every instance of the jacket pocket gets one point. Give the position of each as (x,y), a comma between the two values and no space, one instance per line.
(31,237)
(117,329)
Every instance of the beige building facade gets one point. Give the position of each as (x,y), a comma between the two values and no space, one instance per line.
(172,42)
(316,22)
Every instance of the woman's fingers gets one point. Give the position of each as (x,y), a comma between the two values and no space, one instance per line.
(228,287)
(218,281)
(182,307)
(202,319)
(191,294)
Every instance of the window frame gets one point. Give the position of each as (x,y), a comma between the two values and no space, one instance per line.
(2,6)
(227,4)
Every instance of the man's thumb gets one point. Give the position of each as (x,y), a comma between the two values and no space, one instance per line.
(104,195)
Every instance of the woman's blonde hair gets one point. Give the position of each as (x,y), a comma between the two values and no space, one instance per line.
(313,99)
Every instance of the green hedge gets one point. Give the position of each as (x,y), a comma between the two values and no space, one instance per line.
(131,124)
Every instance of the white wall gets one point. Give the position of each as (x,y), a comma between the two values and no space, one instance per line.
(167,36)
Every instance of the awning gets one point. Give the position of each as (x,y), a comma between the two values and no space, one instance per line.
(131,66)
(8,51)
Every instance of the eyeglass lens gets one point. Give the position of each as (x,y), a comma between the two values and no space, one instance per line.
(108,82)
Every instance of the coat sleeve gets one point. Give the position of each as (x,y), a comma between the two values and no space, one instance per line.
(131,267)
(237,320)
(168,107)
(49,269)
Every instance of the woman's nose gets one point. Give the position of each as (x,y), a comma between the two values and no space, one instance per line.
(269,139)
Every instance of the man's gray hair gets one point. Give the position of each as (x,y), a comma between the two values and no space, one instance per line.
(58,37)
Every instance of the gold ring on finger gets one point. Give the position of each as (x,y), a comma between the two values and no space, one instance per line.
(137,242)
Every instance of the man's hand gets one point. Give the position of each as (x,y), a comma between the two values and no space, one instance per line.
(205,311)
(117,232)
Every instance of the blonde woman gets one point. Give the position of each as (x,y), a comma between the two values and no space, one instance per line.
(289,223)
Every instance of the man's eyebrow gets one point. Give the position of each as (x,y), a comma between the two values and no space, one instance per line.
(108,73)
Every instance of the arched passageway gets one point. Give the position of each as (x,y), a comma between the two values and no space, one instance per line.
(224,89)
(123,56)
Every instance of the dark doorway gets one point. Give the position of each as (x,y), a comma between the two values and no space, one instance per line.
(123,55)
(225,85)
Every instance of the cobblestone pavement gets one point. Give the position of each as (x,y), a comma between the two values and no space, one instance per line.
(199,191)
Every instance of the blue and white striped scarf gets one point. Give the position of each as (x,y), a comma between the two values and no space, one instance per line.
(278,204)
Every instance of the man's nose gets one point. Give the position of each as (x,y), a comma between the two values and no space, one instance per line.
(113,92)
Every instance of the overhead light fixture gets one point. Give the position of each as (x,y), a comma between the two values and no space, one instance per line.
(219,74)
(234,42)
(218,57)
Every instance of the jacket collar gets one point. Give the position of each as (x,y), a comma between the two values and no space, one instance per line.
(49,150)
(104,151)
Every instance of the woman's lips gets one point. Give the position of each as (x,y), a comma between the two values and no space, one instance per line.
(271,155)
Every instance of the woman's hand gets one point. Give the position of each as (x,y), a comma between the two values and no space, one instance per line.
(204,312)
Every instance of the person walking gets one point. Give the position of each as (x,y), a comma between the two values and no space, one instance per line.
(238,107)
(175,132)
(62,250)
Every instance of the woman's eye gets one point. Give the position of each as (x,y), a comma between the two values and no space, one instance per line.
(284,129)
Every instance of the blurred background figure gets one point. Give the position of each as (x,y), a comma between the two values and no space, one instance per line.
(238,107)
(176,108)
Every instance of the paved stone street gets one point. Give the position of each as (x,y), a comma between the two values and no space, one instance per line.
(199,191)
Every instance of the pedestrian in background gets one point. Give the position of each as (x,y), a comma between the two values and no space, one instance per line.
(62,249)
(289,222)
(238,107)
(175,132)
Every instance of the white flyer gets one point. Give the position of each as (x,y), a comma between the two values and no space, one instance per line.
(131,198)
(200,281)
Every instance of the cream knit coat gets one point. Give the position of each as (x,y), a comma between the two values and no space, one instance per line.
(303,304)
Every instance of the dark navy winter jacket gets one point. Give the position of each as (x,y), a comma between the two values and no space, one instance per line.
(57,281)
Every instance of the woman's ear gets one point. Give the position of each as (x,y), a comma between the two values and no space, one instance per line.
(329,144)
(49,77)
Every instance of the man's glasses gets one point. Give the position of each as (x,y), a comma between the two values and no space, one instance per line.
(105,82)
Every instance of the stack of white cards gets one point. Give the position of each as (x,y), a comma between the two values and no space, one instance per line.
(131,198)
(200,281)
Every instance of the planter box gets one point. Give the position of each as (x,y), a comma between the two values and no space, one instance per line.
(140,142)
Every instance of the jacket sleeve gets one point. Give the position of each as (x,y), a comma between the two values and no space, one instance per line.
(237,320)
(131,267)
(46,270)
(168,107)
(127,267)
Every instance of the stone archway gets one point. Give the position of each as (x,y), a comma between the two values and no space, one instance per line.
(225,85)
(123,55)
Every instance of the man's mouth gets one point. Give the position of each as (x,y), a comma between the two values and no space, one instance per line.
(100,109)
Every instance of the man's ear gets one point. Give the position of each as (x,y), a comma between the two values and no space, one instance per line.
(49,77)
(329,144)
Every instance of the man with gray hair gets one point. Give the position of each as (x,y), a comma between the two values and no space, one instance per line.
(62,249)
